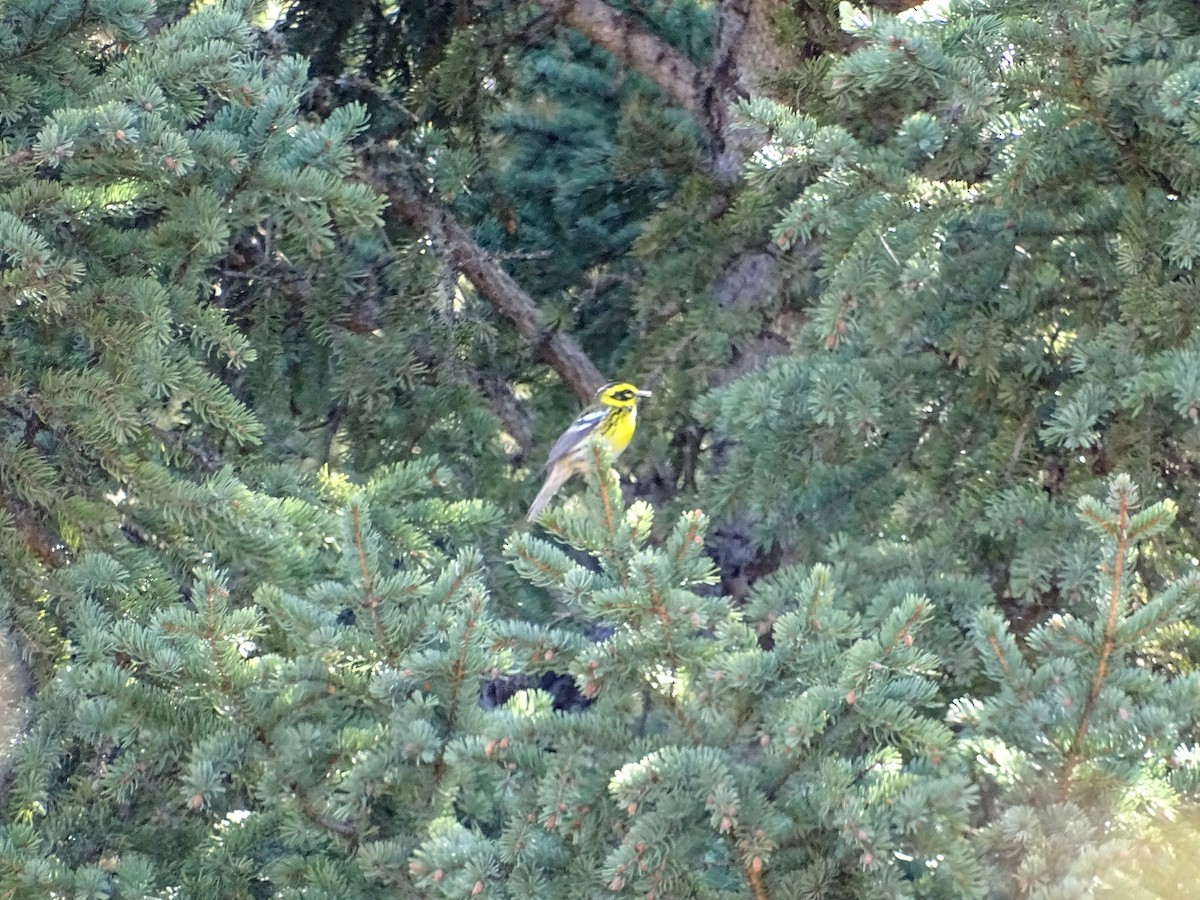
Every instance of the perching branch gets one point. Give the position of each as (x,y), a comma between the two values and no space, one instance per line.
(1108,645)
(455,244)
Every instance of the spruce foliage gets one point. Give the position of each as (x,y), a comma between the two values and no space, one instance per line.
(120,361)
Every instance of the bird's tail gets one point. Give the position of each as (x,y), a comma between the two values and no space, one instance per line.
(555,479)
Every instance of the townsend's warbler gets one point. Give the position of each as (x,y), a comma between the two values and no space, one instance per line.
(611,418)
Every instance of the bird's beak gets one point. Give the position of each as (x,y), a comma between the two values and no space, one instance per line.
(643,393)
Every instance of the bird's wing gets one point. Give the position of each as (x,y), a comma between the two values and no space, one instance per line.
(578,430)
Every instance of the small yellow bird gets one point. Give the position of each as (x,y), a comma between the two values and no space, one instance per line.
(611,418)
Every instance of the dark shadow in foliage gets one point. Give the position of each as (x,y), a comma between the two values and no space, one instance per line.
(564,692)
(565,695)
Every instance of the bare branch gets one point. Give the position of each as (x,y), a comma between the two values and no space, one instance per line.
(507,408)
(894,6)
(455,244)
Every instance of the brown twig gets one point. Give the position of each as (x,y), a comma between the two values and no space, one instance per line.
(755,880)
(364,567)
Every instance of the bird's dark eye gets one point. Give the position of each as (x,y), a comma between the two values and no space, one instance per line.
(624,395)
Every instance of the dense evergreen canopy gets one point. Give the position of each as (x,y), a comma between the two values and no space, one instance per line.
(893,594)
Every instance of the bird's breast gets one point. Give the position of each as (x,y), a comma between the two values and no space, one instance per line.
(621,432)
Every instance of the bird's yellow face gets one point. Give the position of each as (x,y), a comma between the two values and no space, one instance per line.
(619,394)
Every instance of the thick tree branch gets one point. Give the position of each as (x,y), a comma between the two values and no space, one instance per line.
(748,55)
(455,244)
(700,91)
(676,75)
